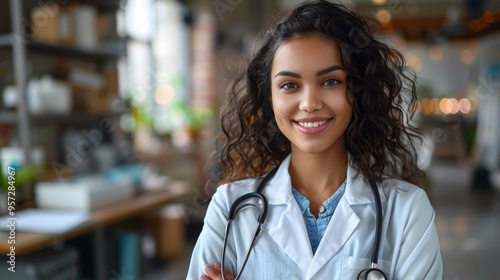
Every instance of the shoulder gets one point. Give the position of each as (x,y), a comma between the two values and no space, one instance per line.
(407,200)
(223,198)
(229,192)
(403,192)
(400,188)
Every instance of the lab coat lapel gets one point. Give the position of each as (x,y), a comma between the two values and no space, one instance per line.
(285,222)
(343,223)
(344,220)
(291,235)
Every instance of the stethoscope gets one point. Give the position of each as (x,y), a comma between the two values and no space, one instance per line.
(371,273)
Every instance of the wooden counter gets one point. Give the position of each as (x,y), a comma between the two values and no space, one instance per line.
(27,242)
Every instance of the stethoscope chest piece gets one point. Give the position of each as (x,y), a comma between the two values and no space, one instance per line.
(372,274)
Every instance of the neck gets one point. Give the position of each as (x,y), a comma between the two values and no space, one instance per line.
(316,174)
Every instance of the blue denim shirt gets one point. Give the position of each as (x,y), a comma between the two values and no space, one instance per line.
(317,227)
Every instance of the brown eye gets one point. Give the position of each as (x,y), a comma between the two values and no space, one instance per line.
(331,82)
(288,86)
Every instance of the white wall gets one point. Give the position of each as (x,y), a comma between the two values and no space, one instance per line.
(488,92)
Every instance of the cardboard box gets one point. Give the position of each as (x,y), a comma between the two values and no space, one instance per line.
(93,91)
(169,227)
(45,23)
(52,23)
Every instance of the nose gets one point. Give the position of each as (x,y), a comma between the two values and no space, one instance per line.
(310,101)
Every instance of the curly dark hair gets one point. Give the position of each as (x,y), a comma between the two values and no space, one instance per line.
(382,94)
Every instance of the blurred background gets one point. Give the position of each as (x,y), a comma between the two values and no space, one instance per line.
(108,113)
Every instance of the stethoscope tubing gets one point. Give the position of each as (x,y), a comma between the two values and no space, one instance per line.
(378,222)
(236,207)
(233,211)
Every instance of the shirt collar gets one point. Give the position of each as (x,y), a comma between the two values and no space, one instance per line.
(330,203)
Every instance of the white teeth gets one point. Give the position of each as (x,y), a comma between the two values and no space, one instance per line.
(312,124)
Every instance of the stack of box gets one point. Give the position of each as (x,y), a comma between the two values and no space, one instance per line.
(93,91)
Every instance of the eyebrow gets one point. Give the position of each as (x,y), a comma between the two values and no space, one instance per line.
(319,73)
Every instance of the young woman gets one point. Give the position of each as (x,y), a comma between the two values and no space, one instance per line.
(329,105)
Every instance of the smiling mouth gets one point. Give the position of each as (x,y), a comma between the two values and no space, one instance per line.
(312,124)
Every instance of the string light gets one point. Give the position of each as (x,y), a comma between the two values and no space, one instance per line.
(446,106)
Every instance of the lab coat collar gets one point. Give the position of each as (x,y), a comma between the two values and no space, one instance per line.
(358,190)
(279,189)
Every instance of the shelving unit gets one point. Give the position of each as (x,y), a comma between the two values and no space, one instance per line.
(8,117)
(23,48)
(33,58)
(19,57)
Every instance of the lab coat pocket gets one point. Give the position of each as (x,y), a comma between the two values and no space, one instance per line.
(351,267)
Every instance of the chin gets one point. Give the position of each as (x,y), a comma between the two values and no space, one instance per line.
(311,149)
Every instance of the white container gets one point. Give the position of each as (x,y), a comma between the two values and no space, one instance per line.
(82,194)
(85,19)
(48,95)
(10,97)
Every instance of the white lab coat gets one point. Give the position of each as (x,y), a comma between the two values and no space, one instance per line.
(409,248)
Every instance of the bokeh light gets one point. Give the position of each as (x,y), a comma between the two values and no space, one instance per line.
(383,16)
(467,56)
(436,53)
(464,105)
(414,61)
(164,94)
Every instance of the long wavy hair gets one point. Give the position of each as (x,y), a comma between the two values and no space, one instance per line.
(380,138)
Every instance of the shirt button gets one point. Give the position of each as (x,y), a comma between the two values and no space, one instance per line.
(322,209)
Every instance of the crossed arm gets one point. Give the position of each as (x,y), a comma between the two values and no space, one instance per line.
(213,272)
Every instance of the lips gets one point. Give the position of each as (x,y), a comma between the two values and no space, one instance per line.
(312,126)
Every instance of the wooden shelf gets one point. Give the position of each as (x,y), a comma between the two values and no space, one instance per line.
(96,55)
(72,118)
(8,117)
(103,5)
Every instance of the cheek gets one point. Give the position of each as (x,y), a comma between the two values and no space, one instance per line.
(341,105)
(282,109)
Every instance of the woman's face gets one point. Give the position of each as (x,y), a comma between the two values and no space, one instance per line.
(309,95)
